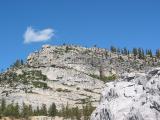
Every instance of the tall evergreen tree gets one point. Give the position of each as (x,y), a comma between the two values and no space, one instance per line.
(25,111)
(125,51)
(113,49)
(52,110)
(135,51)
(16,111)
(43,110)
(77,113)
(3,106)
(158,53)
(30,111)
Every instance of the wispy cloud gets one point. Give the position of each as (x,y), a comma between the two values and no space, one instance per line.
(32,35)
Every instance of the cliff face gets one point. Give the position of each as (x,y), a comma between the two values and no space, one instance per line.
(136,96)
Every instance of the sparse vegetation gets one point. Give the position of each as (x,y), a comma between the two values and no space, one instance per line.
(39,84)
(25,78)
(62,90)
(104,78)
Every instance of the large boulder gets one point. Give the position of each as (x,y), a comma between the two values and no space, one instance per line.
(135,97)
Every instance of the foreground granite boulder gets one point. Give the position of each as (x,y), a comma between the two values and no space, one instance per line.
(134,97)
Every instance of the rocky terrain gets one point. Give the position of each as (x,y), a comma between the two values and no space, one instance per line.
(73,75)
(136,96)
(61,85)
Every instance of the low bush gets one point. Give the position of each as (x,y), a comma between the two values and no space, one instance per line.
(104,78)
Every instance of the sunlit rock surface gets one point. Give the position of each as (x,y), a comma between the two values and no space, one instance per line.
(134,97)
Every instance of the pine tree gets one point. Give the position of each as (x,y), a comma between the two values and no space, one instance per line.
(17,63)
(22,62)
(140,53)
(158,53)
(135,51)
(43,110)
(25,111)
(63,113)
(30,112)
(16,111)
(143,55)
(125,51)
(118,51)
(67,49)
(149,52)
(67,111)
(37,111)
(87,110)
(77,113)
(9,111)
(52,110)
(3,106)
(106,54)
(113,49)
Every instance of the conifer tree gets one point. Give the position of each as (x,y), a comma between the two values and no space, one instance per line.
(25,111)
(67,111)
(149,52)
(113,49)
(158,53)
(30,112)
(135,51)
(43,110)
(16,110)
(87,110)
(125,51)
(37,111)
(52,110)
(3,106)
(9,110)
(77,113)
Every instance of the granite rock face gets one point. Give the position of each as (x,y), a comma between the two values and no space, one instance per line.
(136,96)
(62,86)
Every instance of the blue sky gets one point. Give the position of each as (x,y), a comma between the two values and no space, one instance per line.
(123,23)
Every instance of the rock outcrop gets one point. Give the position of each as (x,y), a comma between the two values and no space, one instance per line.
(61,86)
(136,96)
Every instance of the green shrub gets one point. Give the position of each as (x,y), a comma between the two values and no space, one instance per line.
(104,78)
(39,84)
(62,90)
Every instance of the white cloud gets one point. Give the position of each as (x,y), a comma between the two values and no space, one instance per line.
(32,35)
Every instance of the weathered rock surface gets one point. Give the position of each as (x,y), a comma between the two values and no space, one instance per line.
(134,97)
(63,86)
